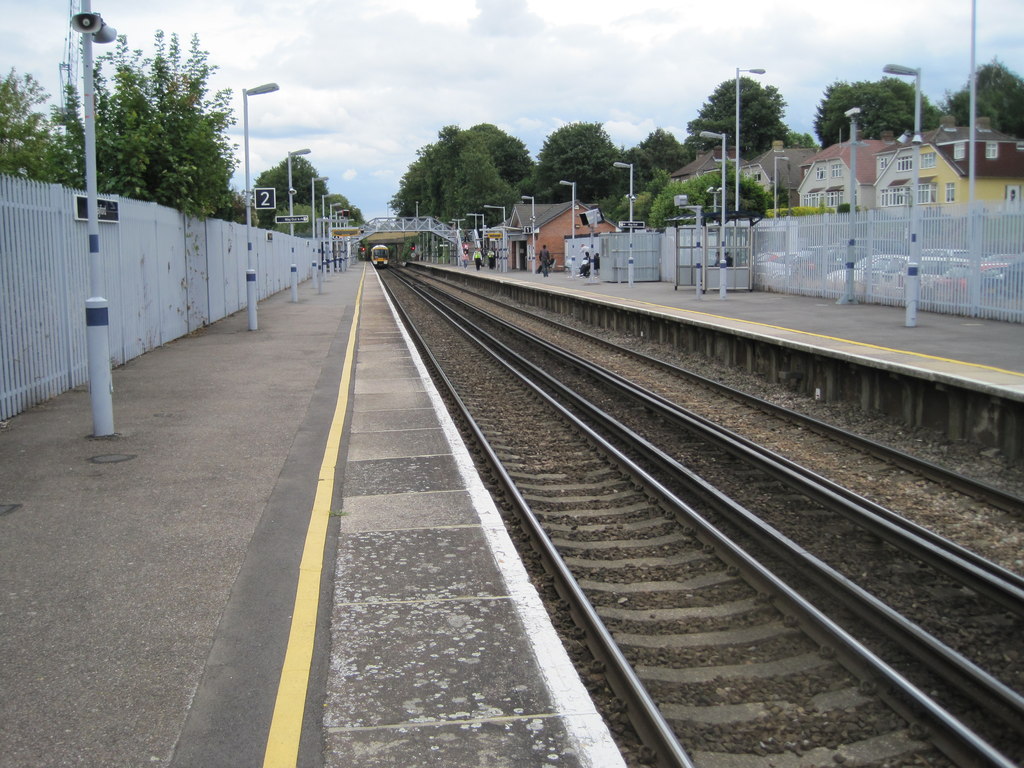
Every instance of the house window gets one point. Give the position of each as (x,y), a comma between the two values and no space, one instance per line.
(960,150)
(883,163)
(926,193)
(893,196)
(905,163)
(991,150)
(837,170)
(928,160)
(819,172)
(834,198)
(950,192)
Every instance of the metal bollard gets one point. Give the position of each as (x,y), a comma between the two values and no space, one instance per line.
(295,284)
(912,290)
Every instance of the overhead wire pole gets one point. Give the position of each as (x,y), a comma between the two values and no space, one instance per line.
(97,308)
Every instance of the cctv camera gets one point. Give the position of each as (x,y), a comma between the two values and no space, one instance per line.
(292,191)
(852,111)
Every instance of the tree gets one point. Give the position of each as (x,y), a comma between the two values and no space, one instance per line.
(753,197)
(160,135)
(886,105)
(462,171)
(1000,97)
(761,110)
(794,139)
(580,152)
(24,132)
(303,173)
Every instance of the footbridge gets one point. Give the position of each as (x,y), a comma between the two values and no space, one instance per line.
(402,226)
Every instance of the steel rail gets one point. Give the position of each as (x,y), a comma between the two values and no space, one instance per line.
(950,735)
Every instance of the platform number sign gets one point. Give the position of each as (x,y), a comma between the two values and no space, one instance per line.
(266,198)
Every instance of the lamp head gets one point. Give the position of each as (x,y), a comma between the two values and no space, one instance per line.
(899,69)
(265,88)
(757,71)
(567,183)
(622,165)
(299,152)
(712,135)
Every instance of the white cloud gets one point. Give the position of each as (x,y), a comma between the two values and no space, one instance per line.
(367,84)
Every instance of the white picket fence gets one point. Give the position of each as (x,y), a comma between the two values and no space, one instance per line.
(165,275)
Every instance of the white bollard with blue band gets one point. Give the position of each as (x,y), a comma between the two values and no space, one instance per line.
(101,384)
(912,289)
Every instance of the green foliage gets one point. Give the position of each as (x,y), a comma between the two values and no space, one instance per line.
(1000,97)
(761,110)
(25,133)
(580,152)
(886,105)
(160,135)
(799,210)
(804,140)
(463,171)
(700,190)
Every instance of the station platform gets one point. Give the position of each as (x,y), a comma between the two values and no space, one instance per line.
(986,353)
(152,580)
(284,557)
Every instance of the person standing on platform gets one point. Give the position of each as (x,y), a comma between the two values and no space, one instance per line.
(545,260)
(491,257)
(478,258)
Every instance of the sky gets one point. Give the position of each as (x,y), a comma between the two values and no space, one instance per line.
(364,84)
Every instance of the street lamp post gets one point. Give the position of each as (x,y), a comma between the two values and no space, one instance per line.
(722,264)
(291,190)
(775,183)
(570,261)
(533,232)
(629,268)
(848,296)
(250,271)
(312,218)
(97,308)
(913,280)
(755,71)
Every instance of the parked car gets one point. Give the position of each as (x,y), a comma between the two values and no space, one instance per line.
(1004,281)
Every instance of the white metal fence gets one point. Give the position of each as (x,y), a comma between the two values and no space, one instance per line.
(165,275)
(808,255)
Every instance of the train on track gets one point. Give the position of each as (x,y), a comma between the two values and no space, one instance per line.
(380,255)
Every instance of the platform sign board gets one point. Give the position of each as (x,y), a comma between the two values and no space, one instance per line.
(632,224)
(106,210)
(297,219)
(346,232)
(495,235)
(265,198)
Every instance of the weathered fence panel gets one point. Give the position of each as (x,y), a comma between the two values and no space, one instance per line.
(164,274)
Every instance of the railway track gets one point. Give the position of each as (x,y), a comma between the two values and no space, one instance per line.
(743,665)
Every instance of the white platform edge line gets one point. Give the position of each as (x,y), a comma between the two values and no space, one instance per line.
(594,743)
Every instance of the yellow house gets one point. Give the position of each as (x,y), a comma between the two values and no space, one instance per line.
(943,175)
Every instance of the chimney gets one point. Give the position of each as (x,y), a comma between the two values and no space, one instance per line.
(887,137)
(948,123)
(777,146)
(984,125)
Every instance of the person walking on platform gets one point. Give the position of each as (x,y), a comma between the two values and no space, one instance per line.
(545,260)
(478,259)
(492,256)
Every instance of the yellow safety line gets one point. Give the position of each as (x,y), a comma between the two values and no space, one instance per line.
(286,725)
(815,335)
